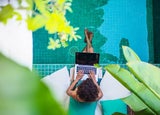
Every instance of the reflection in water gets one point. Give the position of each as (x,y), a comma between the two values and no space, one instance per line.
(123,42)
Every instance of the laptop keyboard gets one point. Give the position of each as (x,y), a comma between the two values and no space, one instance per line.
(86,69)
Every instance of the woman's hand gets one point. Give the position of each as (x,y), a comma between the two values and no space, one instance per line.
(80,74)
(92,75)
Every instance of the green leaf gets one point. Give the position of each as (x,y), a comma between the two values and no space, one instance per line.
(146,96)
(97,65)
(129,54)
(148,74)
(134,102)
(18,15)
(23,93)
(64,44)
(19,2)
(36,22)
(118,113)
(6,13)
(41,5)
(143,112)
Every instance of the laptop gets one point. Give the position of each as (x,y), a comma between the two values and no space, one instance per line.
(85,62)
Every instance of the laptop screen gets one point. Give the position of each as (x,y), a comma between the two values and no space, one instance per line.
(87,58)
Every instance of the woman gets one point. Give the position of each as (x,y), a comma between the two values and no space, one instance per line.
(87,91)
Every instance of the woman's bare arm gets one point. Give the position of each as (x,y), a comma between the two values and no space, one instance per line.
(92,76)
(70,91)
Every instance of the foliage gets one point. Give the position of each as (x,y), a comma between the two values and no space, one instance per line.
(49,14)
(142,79)
(22,92)
(86,14)
(89,14)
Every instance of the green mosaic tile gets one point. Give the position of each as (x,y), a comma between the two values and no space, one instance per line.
(108,21)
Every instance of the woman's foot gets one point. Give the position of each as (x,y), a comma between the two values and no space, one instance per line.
(89,35)
(90,50)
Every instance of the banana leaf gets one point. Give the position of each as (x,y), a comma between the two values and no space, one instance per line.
(129,54)
(142,80)
(147,99)
(132,101)
(148,74)
(22,92)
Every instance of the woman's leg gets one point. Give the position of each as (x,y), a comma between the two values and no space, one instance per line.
(88,40)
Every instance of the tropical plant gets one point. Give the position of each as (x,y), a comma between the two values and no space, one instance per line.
(23,93)
(142,79)
(86,14)
(49,14)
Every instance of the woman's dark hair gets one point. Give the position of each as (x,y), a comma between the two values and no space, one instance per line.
(87,90)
